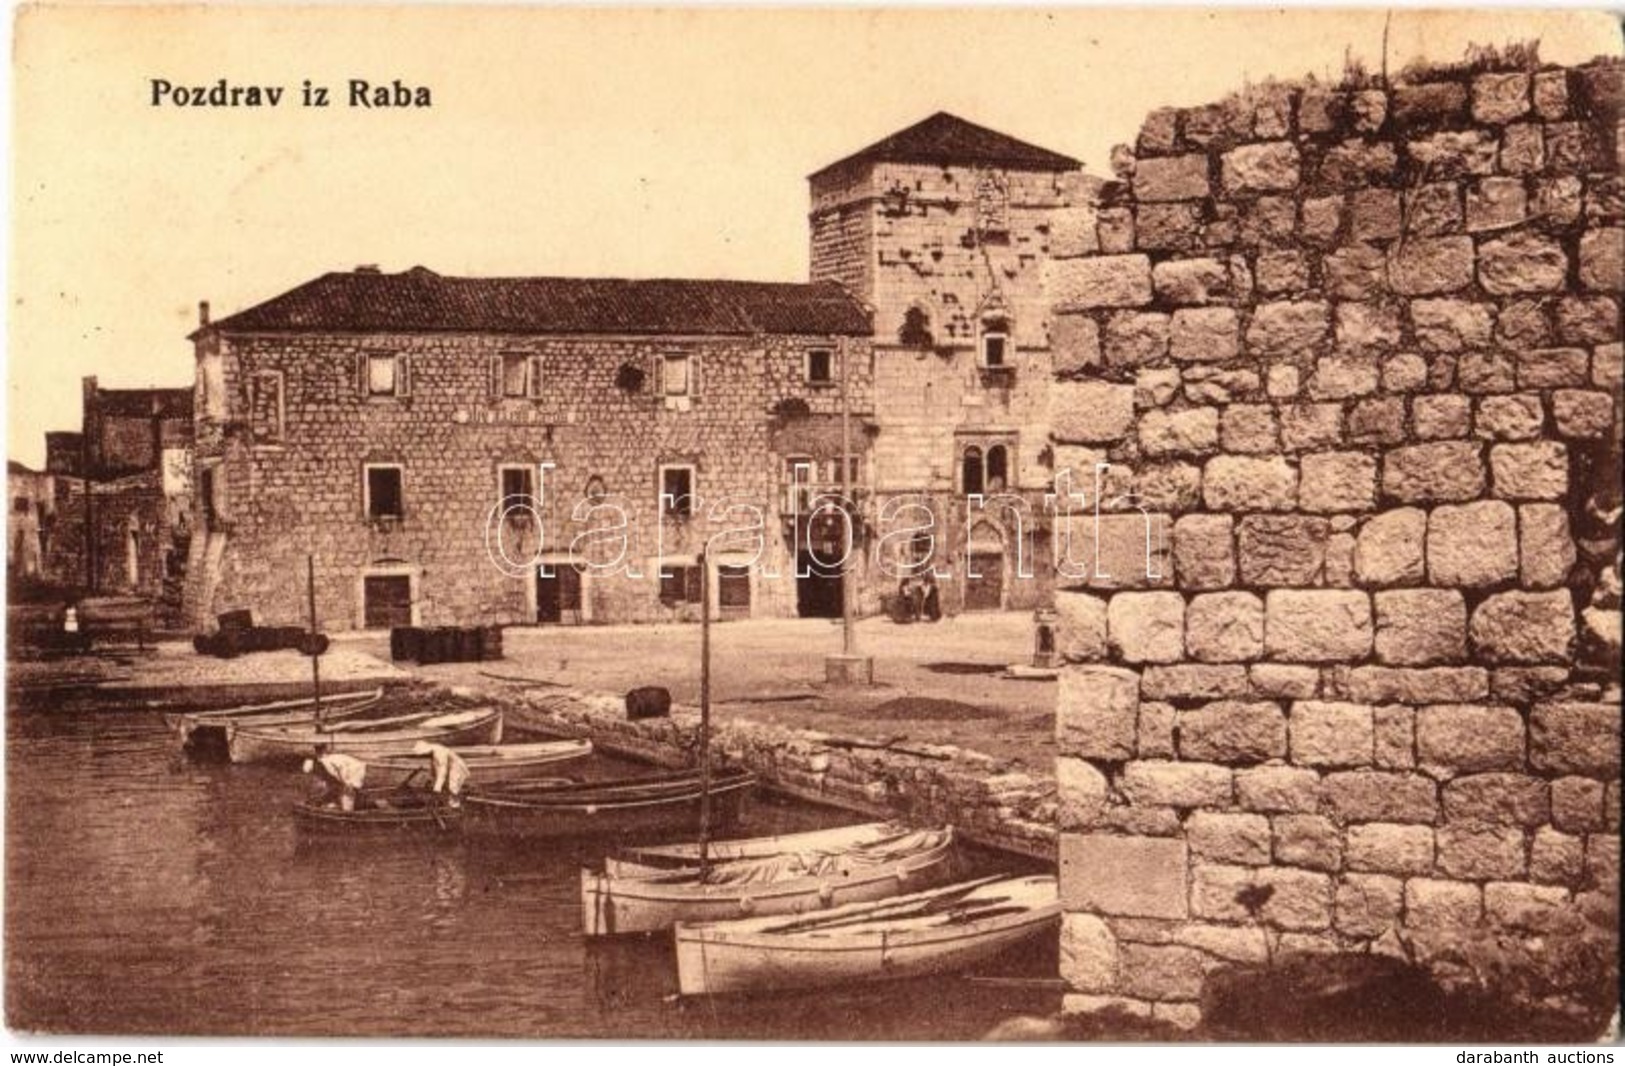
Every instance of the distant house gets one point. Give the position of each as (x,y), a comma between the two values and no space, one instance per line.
(30,520)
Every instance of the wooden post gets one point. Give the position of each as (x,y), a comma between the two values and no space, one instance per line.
(849,636)
(315,659)
(705,716)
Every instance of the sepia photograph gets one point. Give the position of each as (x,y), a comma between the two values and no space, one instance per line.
(893,524)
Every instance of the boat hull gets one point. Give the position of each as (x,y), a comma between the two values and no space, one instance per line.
(249,744)
(605,808)
(613,905)
(407,814)
(736,957)
(202,732)
(652,859)
(485,764)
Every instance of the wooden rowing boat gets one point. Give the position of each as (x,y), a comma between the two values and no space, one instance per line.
(790,882)
(649,859)
(366,739)
(200,729)
(486,763)
(379,811)
(929,932)
(628,806)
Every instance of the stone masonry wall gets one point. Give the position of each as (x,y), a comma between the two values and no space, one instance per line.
(1358,352)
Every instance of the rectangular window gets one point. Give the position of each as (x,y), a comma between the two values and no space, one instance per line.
(820,366)
(381,377)
(676,377)
(518,486)
(520,375)
(386,496)
(733,587)
(679,584)
(677,490)
(994,344)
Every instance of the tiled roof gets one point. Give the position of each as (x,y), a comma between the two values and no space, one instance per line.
(421,301)
(948,139)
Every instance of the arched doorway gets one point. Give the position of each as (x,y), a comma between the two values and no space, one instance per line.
(984,568)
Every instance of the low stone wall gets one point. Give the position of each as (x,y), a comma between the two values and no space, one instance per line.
(989,801)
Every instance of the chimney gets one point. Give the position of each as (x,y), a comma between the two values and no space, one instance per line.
(202,313)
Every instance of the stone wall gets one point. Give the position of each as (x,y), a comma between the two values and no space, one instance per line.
(1358,354)
(289,437)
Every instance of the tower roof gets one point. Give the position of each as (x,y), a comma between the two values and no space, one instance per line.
(948,139)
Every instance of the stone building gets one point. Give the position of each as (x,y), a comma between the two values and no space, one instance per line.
(1359,350)
(134,454)
(943,229)
(515,450)
(29,522)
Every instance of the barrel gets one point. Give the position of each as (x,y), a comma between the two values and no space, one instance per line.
(242,618)
(405,643)
(651,701)
(491,643)
(468,644)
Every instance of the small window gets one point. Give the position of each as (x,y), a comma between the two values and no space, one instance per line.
(820,366)
(916,331)
(521,375)
(995,349)
(998,463)
(677,490)
(385,495)
(382,379)
(970,465)
(676,376)
(680,584)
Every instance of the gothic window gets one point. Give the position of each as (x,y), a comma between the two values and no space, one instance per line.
(970,467)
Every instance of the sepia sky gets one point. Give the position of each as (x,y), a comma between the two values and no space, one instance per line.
(640,143)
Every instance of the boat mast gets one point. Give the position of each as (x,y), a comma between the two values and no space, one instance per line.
(705,715)
(315,659)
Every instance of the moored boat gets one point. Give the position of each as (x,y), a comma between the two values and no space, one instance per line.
(649,859)
(204,728)
(365,739)
(790,882)
(486,763)
(936,931)
(663,801)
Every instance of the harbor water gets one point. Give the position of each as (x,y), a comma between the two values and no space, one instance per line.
(146,893)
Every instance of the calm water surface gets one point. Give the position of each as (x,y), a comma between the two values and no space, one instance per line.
(148,894)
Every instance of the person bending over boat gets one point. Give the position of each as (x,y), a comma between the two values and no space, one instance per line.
(450,771)
(342,774)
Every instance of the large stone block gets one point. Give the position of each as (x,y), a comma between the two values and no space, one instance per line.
(1549,368)
(1576,738)
(1090,412)
(1524,627)
(1581,414)
(1204,554)
(1114,551)
(1427,684)
(1337,481)
(1225,627)
(1311,425)
(1089,956)
(1443,471)
(1427,265)
(1241,483)
(1080,793)
(1390,548)
(1420,627)
(1281,549)
(1556,858)
(1191,281)
(1307,840)
(1150,783)
(1074,343)
(1500,98)
(1577,803)
(1516,417)
(1268,167)
(1136,337)
(1230,731)
(1452,325)
(1285,681)
(1467,738)
(1190,432)
(1454,154)
(1299,899)
(1473,545)
(1083,626)
(1205,334)
(1331,734)
(1243,839)
(1098,281)
(1390,848)
(1250,428)
(1162,971)
(1095,712)
(1278,789)
(1481,853)
(1355,272)
(1522,262)
(1346,377)
(1439,417)
(1141,877)
(1602,259)
(1527,908)
(1156,730)
(1497,799)
(1395,728)
(1377,796)
(1177,177)
(1546,551)
(1147,627)
(1317,626)
(1193,681)
(1288,329)
(1538,471)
